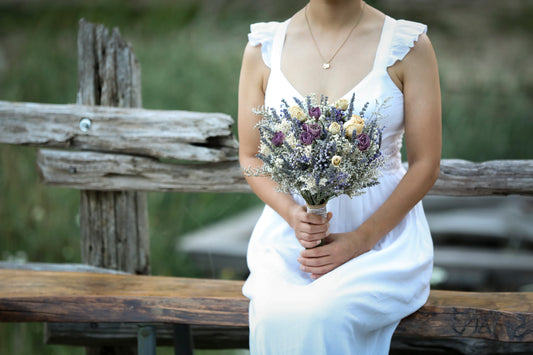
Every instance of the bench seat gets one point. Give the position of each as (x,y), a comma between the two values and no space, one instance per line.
(79,297)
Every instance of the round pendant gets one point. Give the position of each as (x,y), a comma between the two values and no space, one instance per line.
(325,66)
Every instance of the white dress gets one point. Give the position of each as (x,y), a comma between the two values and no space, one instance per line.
(355,308)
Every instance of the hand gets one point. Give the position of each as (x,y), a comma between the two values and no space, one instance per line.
(309,228)
(338,249)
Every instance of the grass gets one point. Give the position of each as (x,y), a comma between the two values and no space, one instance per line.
(190,55)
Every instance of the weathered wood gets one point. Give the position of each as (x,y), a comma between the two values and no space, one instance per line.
(501,316)
(114,230)
(43,296)
(57,267)
(211,337)
(186,136)
(402,345)
(496,177)
(102,171)
(122,172)
(35,296)
(114,225)
(175,134)
(204,337)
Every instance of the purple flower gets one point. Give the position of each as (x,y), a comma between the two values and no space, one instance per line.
(315,129)
(364,141)
(306,138)
(315,112)
(278,138)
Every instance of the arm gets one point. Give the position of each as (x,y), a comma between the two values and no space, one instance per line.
(418,76)
(309,229)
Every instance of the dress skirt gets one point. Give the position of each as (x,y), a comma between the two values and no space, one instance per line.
(353,309)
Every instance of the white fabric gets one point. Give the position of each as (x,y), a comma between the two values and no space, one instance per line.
(263,33)
(355,308)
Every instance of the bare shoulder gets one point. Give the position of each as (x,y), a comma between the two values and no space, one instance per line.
(252,56)
(419,63)
(254,69)
(422,50)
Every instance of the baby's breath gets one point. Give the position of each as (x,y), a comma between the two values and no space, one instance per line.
(314,156)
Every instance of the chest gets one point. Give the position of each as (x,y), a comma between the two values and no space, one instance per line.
(302,60)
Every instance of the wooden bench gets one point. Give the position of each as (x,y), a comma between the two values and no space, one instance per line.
(80,297)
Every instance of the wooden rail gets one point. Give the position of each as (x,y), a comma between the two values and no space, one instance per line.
(182,135)
(146,139)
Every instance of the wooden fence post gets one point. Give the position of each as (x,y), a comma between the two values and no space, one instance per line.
(114,225)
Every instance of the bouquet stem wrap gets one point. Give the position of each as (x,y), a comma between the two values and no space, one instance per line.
(320,210)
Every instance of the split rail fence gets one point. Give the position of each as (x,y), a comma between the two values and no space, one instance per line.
(114,151)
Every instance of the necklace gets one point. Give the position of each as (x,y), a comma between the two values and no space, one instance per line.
(327,63)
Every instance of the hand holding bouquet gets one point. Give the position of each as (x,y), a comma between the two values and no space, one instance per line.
(318,150)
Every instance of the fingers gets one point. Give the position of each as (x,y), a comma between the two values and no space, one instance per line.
(310,229)
(311,240)
(318,270)
(314,219)
(310,235)
(311,244)
(310,254)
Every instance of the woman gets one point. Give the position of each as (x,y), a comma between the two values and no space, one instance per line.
(348,295)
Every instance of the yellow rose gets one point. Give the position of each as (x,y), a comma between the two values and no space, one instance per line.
(356,123)
(336,161)
(341,104)
(334,128)
(298,113)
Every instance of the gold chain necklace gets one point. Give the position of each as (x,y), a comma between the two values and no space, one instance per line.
(327,63)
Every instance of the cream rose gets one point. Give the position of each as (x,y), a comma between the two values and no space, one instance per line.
(356,123)
(334,128)
(336,161)
(341,104)
(298,113)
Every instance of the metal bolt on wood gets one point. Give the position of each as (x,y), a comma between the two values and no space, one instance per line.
(85,124)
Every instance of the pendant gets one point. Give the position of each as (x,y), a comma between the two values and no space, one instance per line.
(325,66)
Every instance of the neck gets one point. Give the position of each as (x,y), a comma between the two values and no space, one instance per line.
(334,14)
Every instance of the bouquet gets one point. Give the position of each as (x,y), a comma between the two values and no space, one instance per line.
(319,150)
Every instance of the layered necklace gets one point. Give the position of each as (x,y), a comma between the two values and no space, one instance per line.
(326,64)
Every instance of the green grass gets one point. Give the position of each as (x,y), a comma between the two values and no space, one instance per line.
(190,57)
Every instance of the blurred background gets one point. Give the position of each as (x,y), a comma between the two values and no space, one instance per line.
(190,54)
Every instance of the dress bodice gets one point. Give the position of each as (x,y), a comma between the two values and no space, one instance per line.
(376,88)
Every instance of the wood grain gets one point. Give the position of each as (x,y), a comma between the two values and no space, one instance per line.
(228,337)
(101,171)
(32,296)
(496,177)
(106,171)
(43,296)
(161,134)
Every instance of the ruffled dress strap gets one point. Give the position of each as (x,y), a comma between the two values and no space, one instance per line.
(264,34)
(398,37)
